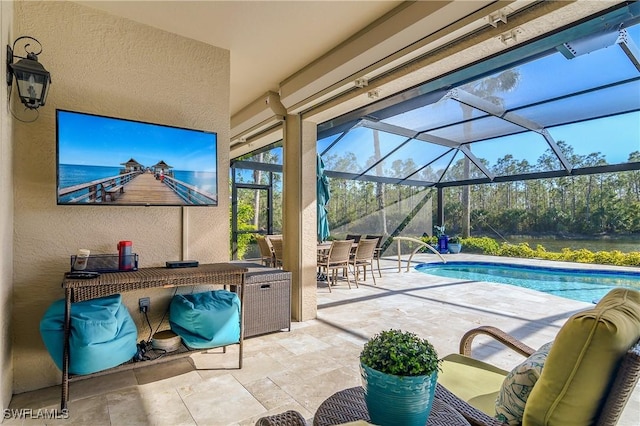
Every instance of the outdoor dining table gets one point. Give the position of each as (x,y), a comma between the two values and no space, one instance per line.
(325,246)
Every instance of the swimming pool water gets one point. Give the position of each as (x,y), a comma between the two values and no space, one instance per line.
(583,285)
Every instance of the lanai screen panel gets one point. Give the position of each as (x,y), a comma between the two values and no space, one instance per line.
(521,153)
(477,130)
(554,113)
(456,171)
(324,143)
(408,159)
(617,141)
(360,149)
(443,113)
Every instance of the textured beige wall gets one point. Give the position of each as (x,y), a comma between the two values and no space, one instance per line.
(107,65)
(6,223)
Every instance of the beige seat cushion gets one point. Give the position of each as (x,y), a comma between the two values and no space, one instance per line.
(473,381)
(582,361)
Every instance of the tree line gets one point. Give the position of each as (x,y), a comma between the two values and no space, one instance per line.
(585,205)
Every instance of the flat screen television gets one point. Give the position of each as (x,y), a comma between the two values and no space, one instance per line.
(111,161)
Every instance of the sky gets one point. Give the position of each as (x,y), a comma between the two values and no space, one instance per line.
(102,141)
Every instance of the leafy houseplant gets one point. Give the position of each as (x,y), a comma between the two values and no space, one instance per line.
(439,230)
(399,373)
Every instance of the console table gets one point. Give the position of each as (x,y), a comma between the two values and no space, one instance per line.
(77,290)
(349,405)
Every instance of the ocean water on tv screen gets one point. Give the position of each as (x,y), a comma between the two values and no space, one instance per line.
(74,174)
(204,181)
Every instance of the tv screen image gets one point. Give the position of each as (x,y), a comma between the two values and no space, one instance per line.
(113,161)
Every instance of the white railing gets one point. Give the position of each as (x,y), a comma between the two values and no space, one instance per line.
(420,243)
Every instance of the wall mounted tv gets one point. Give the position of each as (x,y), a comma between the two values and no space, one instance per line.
(114,162)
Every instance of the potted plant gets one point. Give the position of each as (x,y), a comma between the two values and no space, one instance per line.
(455,244)
(399,372)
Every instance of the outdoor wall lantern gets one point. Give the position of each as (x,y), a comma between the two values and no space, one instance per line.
(32,79)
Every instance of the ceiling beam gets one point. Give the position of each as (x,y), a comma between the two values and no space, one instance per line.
(594,170)
(404,26)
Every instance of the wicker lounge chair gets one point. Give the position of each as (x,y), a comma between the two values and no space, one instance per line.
(455,380)
(363,257)
(337,259)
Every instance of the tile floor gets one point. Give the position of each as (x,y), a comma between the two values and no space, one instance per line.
(300,369)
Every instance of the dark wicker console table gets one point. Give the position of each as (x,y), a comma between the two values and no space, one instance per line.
(348,405)
(77,290)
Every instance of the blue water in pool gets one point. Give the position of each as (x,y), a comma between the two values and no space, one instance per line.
(583,285)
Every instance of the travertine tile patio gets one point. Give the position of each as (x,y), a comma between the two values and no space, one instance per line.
(300,369)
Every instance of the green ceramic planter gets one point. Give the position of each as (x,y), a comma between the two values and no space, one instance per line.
(398,400)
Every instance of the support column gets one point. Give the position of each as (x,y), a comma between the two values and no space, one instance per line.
(440,207)
(299,227)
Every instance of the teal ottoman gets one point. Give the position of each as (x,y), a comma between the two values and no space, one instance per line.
(102,334)
(206,320)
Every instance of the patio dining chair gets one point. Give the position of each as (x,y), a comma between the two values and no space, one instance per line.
(378,251)
(354,237)
(267,257)
(363,257)
(584,377)
(336,259)
(278,252)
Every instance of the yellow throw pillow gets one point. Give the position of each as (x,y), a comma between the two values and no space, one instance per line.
(583,360)
(517,386)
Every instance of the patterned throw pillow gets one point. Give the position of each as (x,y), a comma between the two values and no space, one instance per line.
(517,386)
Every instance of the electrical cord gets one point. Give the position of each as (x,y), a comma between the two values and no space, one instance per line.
(146,316)
(145,350)
(175,290)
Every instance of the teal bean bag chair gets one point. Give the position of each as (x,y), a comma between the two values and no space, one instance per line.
(206,320)
(102,334)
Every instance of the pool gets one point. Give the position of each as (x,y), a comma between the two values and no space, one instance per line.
(576,284)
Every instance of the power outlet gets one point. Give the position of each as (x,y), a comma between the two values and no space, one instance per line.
(145,304)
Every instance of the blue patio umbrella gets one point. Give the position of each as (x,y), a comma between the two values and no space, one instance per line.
(323,195)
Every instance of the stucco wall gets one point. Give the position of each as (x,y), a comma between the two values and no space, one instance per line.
(6,224)
(110,66)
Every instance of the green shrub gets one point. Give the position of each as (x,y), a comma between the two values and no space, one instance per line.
(489,246)
(429,240)
(400,353)
(633,259)
(520,250)
(484,245)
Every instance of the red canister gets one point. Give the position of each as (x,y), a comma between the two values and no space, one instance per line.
(125,255)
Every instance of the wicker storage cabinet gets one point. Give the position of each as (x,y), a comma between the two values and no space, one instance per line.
(267,300)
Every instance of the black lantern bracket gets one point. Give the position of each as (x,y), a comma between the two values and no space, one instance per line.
(32,79)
